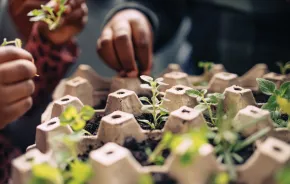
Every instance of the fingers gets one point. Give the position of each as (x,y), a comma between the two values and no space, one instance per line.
(142,39)
(16,71)
(16,92)
(106,49)
(124,47)
(76,16)
(10,53)
(12,112)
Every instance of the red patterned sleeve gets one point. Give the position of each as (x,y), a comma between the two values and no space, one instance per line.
(52,62)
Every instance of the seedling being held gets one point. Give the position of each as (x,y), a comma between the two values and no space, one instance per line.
(69,169)
(278,103)
(284,67)
(48,15)
(17,42)
(206,102)
(158,112)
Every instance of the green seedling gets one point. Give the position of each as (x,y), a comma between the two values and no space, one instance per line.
(284,67)
(48,15)
(283,175)
(228,141)
(155,108)
(77,120)
(17,43)
(206,66)
(206,102)
(197,136)
(68,169)
(278,103)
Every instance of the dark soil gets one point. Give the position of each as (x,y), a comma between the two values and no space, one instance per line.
(207,119)
(284,117)
(138,150)
(102,105)
(84,157)
(260,97)
(148,117)
(162,178)
(92,125)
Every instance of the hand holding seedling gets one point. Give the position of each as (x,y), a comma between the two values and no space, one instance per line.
(126,35)
(16,85)
(60,20)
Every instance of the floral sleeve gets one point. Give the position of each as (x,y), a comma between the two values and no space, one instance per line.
(52,62)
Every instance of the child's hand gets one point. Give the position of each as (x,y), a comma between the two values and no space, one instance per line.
(126,35)
(16,85)
(73,21)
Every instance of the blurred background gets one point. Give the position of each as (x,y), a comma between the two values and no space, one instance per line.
(176,52)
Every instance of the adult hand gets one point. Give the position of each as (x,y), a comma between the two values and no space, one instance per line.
(126,35)
(16,85)
(72,22)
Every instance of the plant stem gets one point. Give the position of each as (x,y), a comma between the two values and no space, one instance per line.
(209,110)
(230,165)
(154,104)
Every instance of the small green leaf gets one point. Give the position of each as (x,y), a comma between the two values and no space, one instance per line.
(200,107)
(143,98)
(237,157)
(222,178)
(146,78)
(78,125)
(146,179)
(145,86)
(194,93)
(87,113)
(46,173)
(267,87)
(271,104)
(80,172)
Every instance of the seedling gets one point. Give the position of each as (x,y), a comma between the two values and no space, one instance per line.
(228,141)
(284,67)
(206,102)
(278,103)
(48,15)
(206,66)
(171,141)
(77,120)
(155,108)
(17,42)
(68,169)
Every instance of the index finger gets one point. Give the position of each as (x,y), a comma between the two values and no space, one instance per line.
(10,53)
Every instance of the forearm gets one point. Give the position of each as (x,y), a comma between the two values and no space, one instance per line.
(165,19)
(52,62)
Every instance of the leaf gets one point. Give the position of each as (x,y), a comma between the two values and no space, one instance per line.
(164,118)
(144,98)
(285,90)
(271,104)
(145,86)
(194,93)
(146,179)
(146,78)
(283,176)
(159,79)
(251,139)
(222,178)
(200,107)
(78,125)
(87,113)
(46,173)
(284,104)
(237,157)
(80,172)
(37,18)
(186,158)
(69,113)
(267,87)
(147,122)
